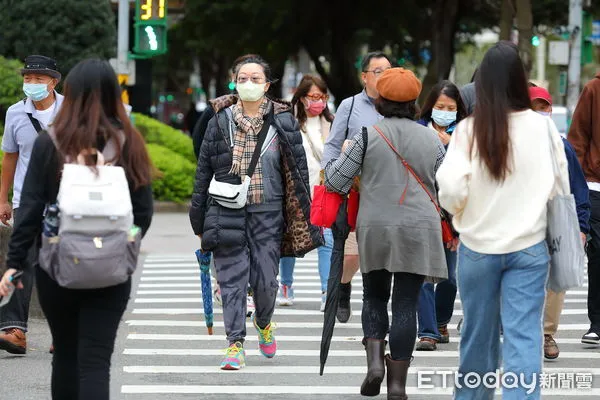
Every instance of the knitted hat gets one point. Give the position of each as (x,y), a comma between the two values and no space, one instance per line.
(399,84)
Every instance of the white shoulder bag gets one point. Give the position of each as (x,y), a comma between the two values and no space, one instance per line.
(234,196)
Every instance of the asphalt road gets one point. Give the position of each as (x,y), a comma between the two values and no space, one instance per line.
(163,348)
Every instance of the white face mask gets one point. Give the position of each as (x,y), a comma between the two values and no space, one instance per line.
(250,91)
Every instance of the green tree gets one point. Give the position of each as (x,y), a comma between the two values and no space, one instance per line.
(10,84)
(67,30)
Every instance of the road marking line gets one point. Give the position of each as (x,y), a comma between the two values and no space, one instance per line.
(291,311)
(294,369)
(304,325)
(312,390)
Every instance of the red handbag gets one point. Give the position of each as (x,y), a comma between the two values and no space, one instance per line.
(353,201)
(324,206)
(447,232)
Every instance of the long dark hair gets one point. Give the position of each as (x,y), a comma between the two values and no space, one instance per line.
(443,88)
(301,91)
(501,88)
(92,112)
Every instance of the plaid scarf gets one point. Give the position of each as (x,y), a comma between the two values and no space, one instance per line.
(244,143)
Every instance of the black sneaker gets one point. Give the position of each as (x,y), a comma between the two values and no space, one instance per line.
(344,311)
(591,337)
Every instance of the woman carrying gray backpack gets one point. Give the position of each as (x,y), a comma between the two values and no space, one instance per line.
(92,168)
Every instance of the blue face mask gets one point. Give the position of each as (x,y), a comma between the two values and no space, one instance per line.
(36,91)
(443,118)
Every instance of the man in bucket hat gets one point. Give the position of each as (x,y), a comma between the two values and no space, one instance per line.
(24,121)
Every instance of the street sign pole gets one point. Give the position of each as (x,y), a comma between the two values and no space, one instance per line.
(123,38)
(575,29)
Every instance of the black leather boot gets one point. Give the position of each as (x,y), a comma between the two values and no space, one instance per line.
(397,372)
(344,311)
(375,348)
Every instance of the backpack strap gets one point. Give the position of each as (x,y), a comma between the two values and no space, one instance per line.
(105,157)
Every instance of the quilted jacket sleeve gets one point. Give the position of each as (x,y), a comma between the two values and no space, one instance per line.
(292,129)
(204,174)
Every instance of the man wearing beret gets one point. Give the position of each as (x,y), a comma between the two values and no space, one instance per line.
(352,114)
(24,121)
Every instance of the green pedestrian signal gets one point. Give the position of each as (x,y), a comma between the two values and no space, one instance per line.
(535,41)
(231,85)
(150,28)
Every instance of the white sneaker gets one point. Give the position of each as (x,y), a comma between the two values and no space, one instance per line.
(323,301)
(250,306)
(285,296)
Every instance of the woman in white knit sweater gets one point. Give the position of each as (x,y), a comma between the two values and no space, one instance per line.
(314,117)
(496,179)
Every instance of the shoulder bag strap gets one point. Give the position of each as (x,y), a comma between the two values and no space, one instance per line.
(262,135)
(35,123)
(555,167)
(349,115)
(409,169)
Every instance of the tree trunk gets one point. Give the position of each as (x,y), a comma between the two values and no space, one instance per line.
(525,28)
(222,75)
(206,74)
(507,15)
(276,88)
(445,18)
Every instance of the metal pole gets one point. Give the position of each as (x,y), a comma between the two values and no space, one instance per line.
(575,22)
(123,37)
(541,60)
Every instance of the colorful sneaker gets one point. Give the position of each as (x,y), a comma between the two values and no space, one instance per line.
(285,296)
(323,301)
(250,308)
(217,296)
(235,357)
(266,341)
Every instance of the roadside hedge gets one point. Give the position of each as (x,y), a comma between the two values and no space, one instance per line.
(156,132)
(177,180)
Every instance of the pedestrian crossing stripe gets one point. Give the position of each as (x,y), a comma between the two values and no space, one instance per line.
(311,390)
(159,344)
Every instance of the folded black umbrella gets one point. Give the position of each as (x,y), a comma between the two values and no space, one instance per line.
(340,230)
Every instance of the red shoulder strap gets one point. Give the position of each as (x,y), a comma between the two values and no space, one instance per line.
(409,169)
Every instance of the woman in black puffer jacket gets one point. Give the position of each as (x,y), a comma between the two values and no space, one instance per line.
(247,243)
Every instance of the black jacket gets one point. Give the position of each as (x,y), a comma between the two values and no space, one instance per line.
(222,226)
(41,188)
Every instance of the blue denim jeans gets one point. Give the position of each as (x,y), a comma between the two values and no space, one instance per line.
(287,264)
(436,302)
(508,288)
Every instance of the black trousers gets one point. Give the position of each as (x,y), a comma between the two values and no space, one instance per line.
(16,313)
(594,264)
(375,320)
(84,327)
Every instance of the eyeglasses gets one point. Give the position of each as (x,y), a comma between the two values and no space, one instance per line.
(317,96)
(254,79)
(378,71)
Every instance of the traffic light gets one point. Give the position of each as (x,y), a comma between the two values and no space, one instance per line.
(535,41)
(150,27)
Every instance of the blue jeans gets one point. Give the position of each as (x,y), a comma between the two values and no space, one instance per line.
(508,288)
(287,264)
(437,305)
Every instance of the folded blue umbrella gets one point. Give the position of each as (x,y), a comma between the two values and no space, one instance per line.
(204,261)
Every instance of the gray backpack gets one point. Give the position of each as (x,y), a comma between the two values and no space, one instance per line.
(96,245)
